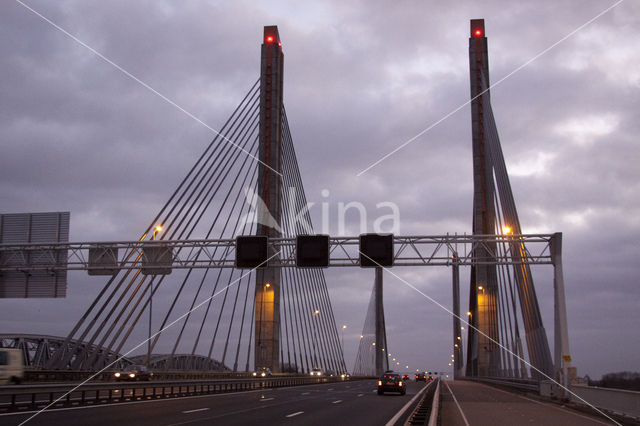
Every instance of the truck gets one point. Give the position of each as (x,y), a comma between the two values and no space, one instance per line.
(11,366)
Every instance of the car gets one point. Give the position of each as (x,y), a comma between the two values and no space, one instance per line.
(345,376)
(134,372)
(391,382)
(262,372)
(11,366)
(406,377)
(429,378)
(315,372)
(420,377)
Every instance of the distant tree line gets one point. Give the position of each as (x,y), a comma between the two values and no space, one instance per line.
(622,380)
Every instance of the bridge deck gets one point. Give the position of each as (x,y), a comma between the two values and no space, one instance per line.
(473,404)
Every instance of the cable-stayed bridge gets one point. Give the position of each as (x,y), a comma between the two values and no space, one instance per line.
(225,256)
(247,182)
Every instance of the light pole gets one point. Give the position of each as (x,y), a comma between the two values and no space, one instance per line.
(153,237)
(343,328)
(315,314)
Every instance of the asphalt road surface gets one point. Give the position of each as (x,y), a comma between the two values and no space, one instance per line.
(345,403)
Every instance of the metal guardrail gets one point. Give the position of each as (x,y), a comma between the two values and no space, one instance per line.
(620,402)
(66,376)
(35,397)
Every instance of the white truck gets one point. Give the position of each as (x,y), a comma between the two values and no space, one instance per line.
(11,366)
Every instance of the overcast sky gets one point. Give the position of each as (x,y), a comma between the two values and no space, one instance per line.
(361,78)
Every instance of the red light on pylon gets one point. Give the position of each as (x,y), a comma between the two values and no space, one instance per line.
(478,33)
(269,39)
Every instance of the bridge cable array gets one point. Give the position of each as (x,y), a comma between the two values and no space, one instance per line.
(209,204)
(511,281)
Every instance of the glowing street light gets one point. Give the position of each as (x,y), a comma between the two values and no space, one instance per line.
(155,231)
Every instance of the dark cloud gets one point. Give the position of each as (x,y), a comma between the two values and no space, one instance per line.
(361,78)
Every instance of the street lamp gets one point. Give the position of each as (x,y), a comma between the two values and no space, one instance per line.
(315,314)
(157,229)
(343,327)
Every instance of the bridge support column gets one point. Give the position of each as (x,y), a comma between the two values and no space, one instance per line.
(457,335)
(382,363)
(267,300)
(562,359)
(484,352)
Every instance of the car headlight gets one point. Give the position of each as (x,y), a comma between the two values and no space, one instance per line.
(255,374)
(117,374)
(263,374)
(132,375)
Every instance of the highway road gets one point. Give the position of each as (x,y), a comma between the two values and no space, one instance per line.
(474,404)
(333,404)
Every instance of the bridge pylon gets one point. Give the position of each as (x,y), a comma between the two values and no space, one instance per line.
(267,291)
(494,212)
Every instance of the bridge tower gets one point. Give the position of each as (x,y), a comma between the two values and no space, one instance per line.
(267,291)
(483,356)
(493,207)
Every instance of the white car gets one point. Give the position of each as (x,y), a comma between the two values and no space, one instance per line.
(316,372)
(262,372)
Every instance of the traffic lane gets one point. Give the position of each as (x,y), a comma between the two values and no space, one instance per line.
(475,404)
(233,407)
(144,412)
(358,405)
(355,402)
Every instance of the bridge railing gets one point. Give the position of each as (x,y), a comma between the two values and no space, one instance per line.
(513,383)
(620,402)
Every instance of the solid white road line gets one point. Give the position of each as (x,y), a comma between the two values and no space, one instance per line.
(458,405)
(305,393)
(337,401)
(360,394)
(297,413)
(196,410)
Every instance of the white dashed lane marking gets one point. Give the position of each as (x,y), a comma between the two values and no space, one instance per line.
(297,413)
(196,410)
